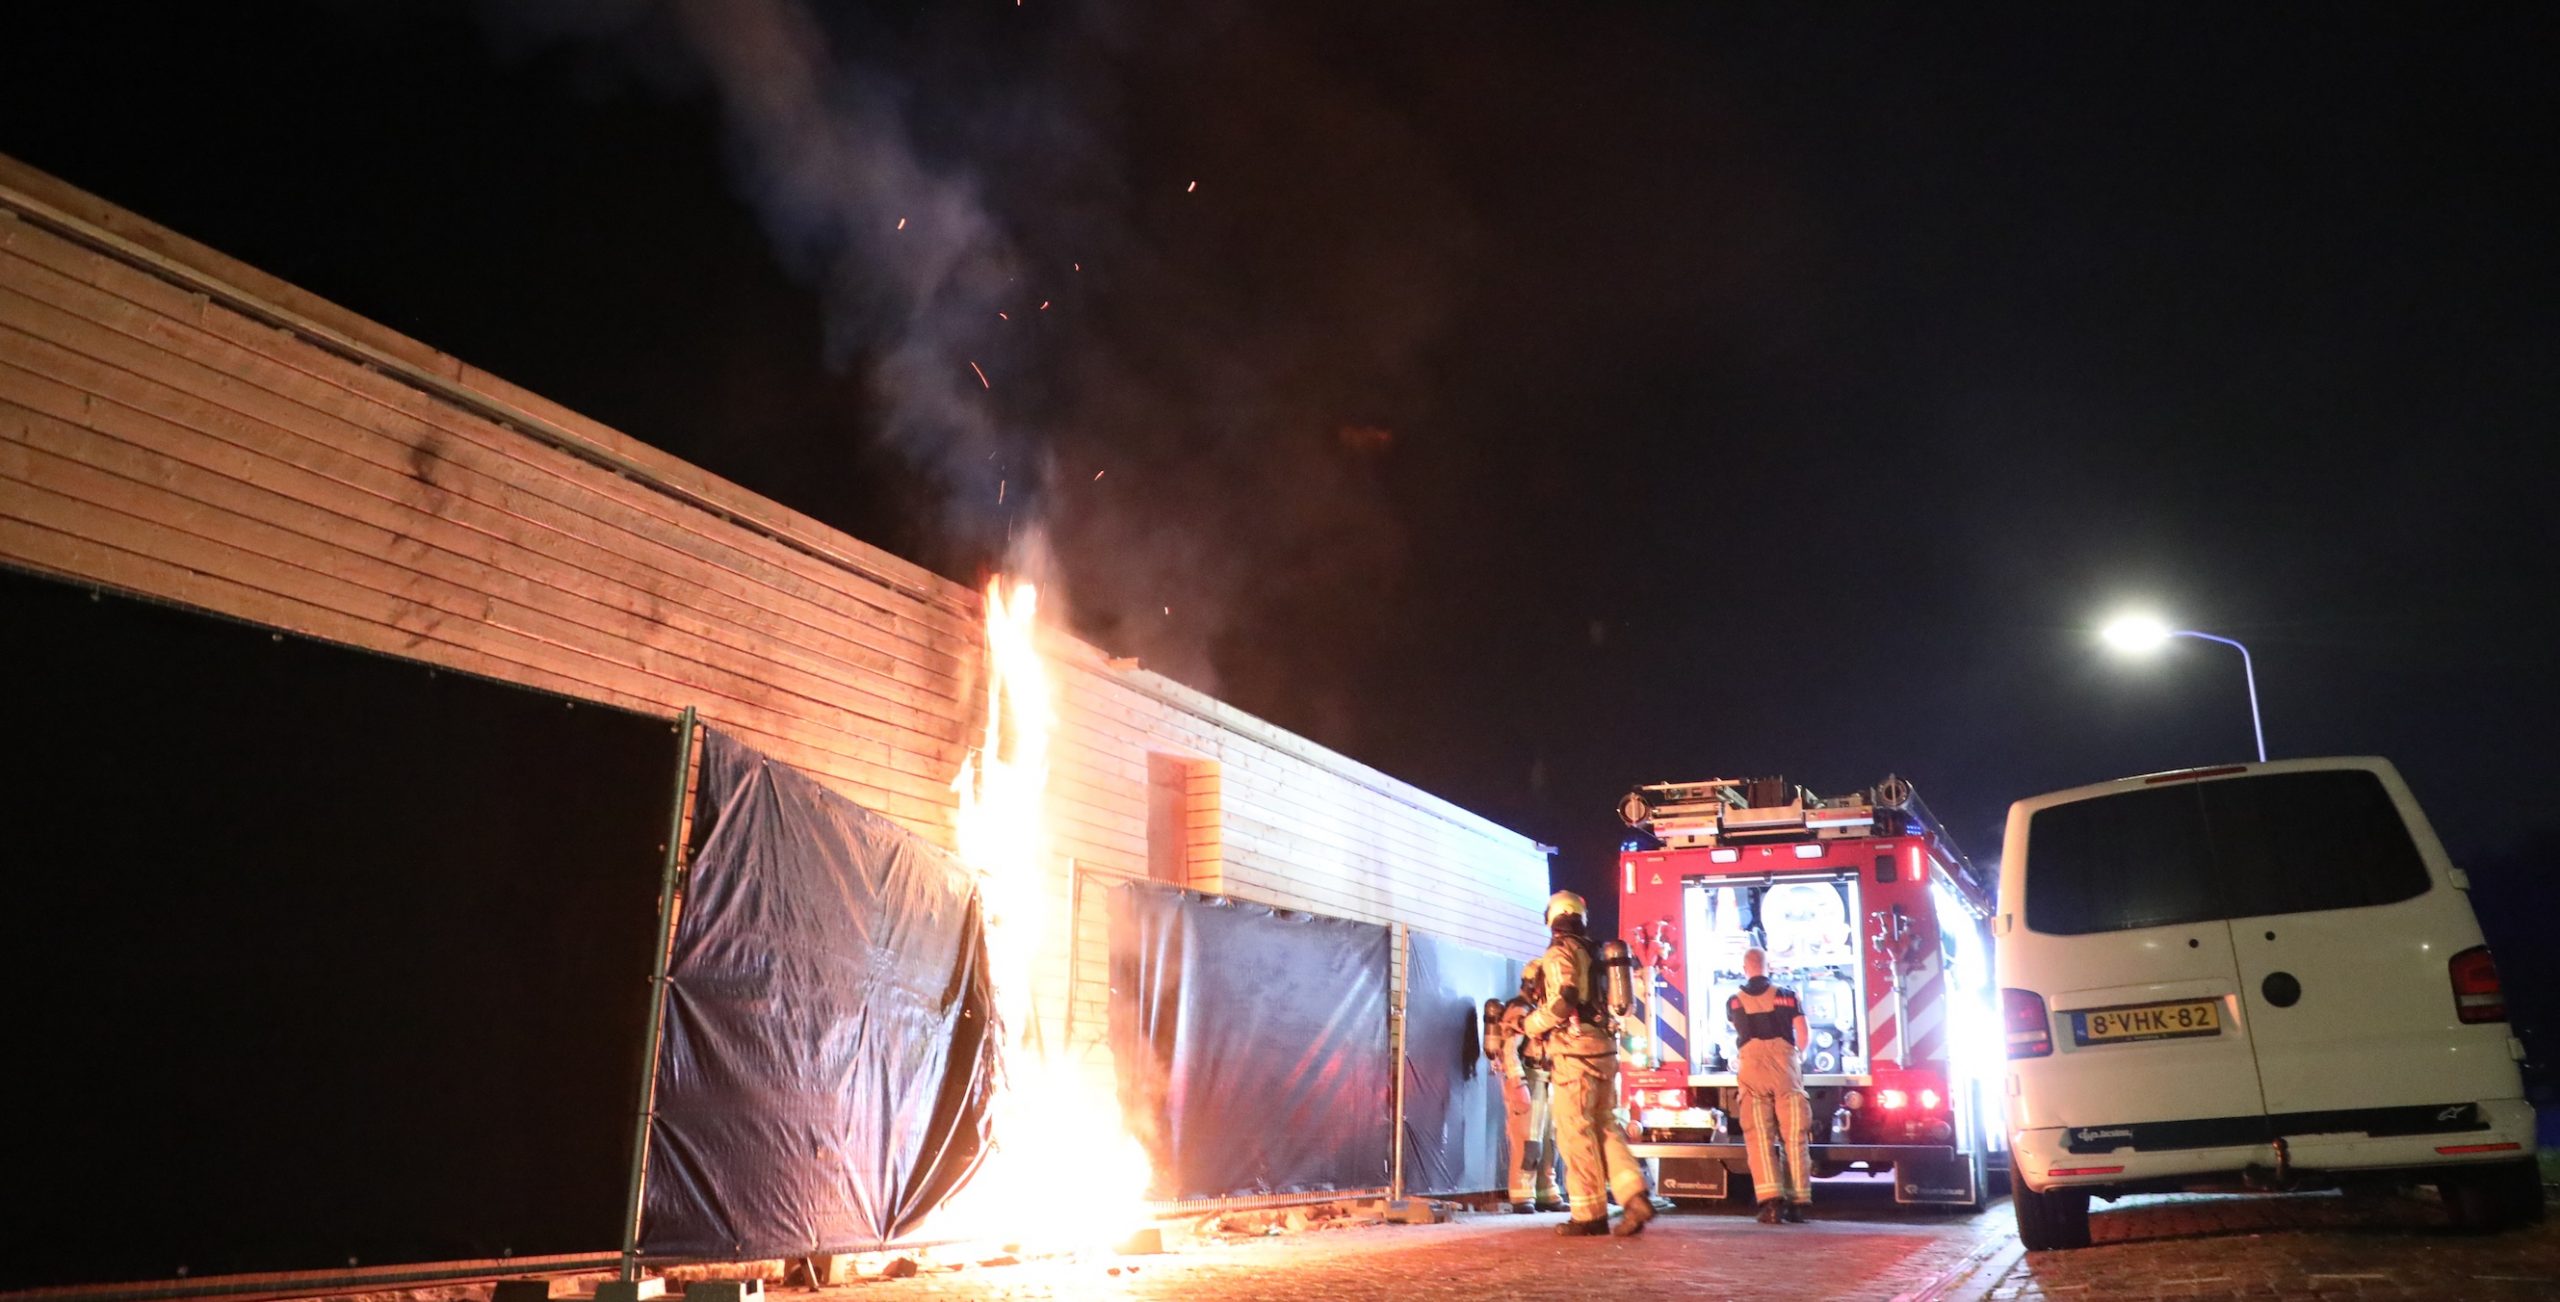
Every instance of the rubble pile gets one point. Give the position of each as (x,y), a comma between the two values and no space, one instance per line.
(1229,1227)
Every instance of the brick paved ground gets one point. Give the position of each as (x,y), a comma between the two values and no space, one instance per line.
(2295,1246)
(1860,1245)
(2306,1246)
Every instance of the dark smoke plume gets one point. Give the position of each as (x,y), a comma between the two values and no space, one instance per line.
(1156,282)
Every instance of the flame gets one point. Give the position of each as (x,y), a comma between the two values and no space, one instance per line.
(1002,788)
(1064,1173)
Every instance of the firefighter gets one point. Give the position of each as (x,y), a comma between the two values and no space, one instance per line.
(1768,1024)
(1527,1121)
(1582,1052)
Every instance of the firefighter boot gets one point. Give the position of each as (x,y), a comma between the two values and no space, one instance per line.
(1631,1221)
(1769,1213)
(1553,1205)
(1794,1213)
(1572,1229)
(1524,1208)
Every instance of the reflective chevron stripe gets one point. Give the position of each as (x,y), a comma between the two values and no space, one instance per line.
(1883,1037)
(1671,1018)
(1924,1004)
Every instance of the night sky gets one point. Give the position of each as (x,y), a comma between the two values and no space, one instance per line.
(1529,400)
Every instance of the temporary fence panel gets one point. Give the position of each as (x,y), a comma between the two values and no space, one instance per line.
(1252,1043)
(1453,1129)
(827,1059)
(318,959)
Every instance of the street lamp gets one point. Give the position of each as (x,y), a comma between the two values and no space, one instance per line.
(2140,633)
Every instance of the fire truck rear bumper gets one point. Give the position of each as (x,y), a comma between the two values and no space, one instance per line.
(1818,1152)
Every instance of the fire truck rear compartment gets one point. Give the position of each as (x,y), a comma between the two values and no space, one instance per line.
(1805,923)
(1868,911)
(1898,1120)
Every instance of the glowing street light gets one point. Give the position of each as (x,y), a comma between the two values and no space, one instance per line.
(2135,633)
(2141,633)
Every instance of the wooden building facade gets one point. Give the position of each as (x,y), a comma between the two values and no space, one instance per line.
(178,425)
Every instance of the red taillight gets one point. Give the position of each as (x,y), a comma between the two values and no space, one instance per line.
(1892,1100)
(2455,1150)
(2030,1031)
(2086,1170)
(1929,1100)
(2477,996)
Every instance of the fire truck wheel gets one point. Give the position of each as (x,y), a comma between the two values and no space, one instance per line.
(2488,1199)
(2057,1218)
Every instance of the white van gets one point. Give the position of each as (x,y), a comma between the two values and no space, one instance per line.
(2260,976)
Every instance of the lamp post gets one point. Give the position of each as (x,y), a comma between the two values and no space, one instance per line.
(2138,633)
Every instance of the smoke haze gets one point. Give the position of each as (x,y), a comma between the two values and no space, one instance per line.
(1011,256)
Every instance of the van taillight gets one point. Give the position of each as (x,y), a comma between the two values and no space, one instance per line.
(2030,1031)
(2477,996)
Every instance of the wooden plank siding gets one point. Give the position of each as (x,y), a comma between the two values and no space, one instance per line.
(180,426)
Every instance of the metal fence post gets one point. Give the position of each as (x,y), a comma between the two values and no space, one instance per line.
(656,1033)
(1397,997)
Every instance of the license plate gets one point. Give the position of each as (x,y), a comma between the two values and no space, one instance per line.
(2169,1021)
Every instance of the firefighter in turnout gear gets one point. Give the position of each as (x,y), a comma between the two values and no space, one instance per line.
(1572,1018)
(1527,1121)
(1768,1022)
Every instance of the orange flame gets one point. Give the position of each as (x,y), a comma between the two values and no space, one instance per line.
(1064,1172)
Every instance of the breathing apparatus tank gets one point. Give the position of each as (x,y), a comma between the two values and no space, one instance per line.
(1617,977)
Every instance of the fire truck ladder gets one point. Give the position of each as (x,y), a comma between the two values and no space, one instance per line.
(1721,811)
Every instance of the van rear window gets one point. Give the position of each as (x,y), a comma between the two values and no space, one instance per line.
(2200,851)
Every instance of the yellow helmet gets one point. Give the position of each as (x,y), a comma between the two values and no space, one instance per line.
(1564,902)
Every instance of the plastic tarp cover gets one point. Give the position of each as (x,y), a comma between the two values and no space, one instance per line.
(1453,1135)
(1252,1043)
(827,1061)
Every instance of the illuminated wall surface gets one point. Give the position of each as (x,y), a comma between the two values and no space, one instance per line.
(314,955)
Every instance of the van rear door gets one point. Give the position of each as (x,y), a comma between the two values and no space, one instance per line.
(2344,918)
(2118,929)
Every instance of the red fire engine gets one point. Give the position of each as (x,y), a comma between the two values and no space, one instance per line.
(1879,923)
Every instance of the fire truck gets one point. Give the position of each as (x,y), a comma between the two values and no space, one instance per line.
(1872,915)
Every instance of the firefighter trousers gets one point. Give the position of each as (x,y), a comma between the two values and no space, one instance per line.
(1531,1127)
(1776,1122)
(1597,1162)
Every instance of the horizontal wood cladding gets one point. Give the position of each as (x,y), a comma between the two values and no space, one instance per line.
(177,425)
(36,196)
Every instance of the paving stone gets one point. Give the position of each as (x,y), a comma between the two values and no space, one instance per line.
(2182,1247)
(1860,1245)
(2297,1246)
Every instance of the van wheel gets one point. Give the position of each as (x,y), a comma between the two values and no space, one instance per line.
(2056,1218)
(2488,1199)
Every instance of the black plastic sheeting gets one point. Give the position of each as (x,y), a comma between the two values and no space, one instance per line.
(1252,1044)
(1453,1137)
(828,1055)
(314,955)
